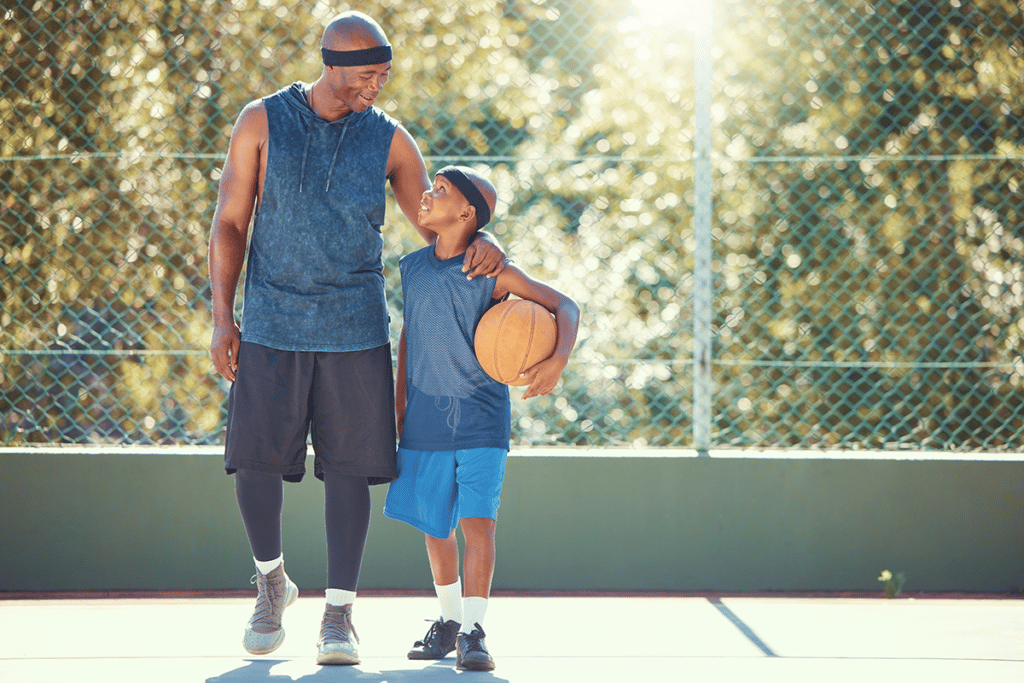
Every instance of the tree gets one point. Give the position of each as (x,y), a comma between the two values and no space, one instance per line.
(867,200)
(876,157)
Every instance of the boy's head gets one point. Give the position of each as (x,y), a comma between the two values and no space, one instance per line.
(460,195)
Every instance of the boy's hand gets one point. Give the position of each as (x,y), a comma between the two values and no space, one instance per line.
(543,377)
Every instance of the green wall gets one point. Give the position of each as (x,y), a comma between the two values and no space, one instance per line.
(165,519)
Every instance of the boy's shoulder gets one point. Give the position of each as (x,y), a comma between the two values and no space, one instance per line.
(427,255)
(418,255)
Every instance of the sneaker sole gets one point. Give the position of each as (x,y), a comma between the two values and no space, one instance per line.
(262,649)
(337,658)
(422,656)
(476,666)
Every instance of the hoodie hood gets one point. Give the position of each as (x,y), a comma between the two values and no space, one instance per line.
(297,95)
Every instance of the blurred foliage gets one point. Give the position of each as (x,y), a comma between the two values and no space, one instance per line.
(871,193)
(866,188)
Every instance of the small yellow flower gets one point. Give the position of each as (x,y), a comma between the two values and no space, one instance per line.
(886,576)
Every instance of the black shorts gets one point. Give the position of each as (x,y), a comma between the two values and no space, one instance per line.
(346,400)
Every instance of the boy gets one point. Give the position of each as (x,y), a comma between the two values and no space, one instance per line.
(454,420)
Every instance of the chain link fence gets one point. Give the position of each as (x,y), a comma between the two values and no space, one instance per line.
(860,255)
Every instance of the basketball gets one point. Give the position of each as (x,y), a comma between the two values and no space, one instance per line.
(513,336)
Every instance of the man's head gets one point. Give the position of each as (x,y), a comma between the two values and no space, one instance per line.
(357,60)
(459,196)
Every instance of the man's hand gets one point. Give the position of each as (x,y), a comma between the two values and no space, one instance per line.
(483,257)
(224,349)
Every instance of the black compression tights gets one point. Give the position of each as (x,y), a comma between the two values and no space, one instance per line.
(346,514)
(347,518)
(260,498)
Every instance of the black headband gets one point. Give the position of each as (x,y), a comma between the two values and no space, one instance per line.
(373,55)
(470,191)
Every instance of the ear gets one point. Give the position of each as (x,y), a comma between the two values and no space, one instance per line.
(468,214)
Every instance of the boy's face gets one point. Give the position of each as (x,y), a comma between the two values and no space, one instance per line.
(441,205)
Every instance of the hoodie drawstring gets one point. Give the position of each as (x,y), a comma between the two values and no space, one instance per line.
(305,151)
(334,159)
(330,169)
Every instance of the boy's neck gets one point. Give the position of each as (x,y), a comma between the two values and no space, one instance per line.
(448,246)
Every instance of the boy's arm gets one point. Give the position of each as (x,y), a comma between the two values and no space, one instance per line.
(400,386)
(544,375)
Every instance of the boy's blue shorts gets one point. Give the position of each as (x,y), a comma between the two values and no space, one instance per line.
(435,489)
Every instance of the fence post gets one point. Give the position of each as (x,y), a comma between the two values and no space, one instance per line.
(702,276)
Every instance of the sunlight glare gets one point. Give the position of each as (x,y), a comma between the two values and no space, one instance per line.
(689,14)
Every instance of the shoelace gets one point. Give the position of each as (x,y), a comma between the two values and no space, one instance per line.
(433,632)
(473,639)
(265,603)
(337,626)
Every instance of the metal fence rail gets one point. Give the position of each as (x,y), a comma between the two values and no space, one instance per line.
(788,224)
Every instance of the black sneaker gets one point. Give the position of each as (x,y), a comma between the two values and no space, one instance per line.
(439,641)
(471,651)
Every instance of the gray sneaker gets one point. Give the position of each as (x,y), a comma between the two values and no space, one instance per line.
(263,633)
(471,651)
(335,645)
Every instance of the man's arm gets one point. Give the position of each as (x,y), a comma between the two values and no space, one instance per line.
(236,198)
(408,176)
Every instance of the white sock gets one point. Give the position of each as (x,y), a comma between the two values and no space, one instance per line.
(451,600)
(268,566)
(339,597)
(473,611)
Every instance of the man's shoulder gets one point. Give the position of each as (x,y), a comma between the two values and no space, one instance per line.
(252,122)
(257,109)
(296,89)
(384,117)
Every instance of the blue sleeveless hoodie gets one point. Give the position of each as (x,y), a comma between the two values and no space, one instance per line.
(451,403)
(315,276)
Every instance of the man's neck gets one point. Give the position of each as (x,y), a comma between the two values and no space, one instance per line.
(324,109)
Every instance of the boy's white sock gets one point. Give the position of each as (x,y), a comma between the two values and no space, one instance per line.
(338,597)
(473,611)
(268,566)
(451,600)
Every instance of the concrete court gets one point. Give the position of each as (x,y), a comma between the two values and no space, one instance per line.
(533,639)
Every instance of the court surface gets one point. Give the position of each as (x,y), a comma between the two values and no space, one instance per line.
(533,640)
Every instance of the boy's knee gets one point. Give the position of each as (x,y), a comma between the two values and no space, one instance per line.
(435,541)
(478,527)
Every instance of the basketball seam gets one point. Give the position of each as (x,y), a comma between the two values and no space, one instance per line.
(497,335)
(529,341)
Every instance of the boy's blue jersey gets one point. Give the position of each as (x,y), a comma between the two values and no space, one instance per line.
(451,403)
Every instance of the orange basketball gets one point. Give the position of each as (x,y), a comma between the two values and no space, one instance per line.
(513,336)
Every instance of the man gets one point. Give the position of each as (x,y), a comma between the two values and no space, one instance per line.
(313,349)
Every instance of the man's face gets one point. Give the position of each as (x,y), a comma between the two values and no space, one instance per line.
(357,87)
